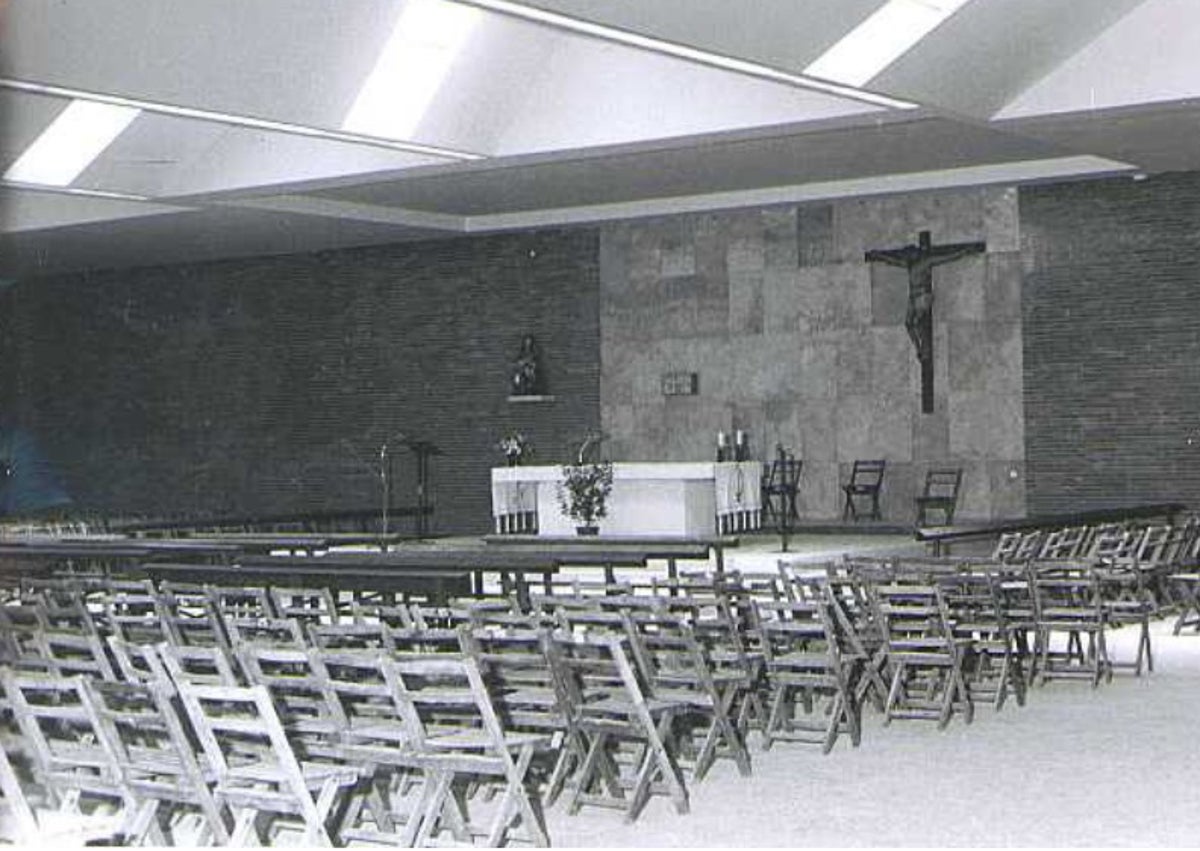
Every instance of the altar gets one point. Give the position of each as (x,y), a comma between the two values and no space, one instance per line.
(647,498)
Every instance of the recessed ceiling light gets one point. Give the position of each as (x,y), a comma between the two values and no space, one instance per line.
(71,143)
(428,37)
(881,39)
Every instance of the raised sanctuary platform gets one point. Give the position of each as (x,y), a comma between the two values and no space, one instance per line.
(648,498)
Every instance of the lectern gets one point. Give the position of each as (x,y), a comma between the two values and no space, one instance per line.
(422,450)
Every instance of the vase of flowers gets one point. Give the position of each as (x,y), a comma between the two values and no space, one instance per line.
(515,447)
(583,493)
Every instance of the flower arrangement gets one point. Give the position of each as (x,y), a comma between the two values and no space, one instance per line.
(515,446)
(583,491)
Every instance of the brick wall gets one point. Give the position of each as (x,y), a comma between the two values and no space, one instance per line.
(1112,341)
(270,384)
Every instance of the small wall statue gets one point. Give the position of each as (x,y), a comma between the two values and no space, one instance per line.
(525,378)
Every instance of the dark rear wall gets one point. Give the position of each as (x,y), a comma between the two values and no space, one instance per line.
(1112,342)
(269,385)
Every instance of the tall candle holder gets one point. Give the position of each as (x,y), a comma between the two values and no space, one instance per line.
(741,447)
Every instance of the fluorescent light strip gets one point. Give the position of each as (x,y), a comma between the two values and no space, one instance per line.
(681,51)
(71,143)
(886,35)
(410,71)
(239,120)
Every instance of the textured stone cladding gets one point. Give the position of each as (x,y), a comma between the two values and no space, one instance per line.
(1112,341)
(797,340)
(270,384)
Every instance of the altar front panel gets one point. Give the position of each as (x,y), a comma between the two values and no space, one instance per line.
(647,499)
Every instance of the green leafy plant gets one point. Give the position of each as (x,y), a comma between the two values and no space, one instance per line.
(516,447)
(583,491)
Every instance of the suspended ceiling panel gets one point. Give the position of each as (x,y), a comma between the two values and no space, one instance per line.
(720,166)
(29,209)
(191,236)
(1149,56)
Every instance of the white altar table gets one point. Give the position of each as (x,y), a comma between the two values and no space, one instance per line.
(648,498)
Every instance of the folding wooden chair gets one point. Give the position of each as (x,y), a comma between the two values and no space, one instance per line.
(380,612)
(21,627)
(136,617)
(22,824)
(375,737)
(607,708)
(305,605)
(157,764)
(458,735)
(423,642)
(350,636)
(925,655)
(67,653)
(269,631)
(517,673)
(71,756)
(808,669)
(856,614)
(198,665)
(300,694)
(977,613)
(189,615)
(676,669)
(1067,543)
(241,601)
(425,616)
(18,822)
(258,776)
(1125,586)
(866,481)
(940,494)
(1018,547)
(1067,602)
(779,489)
(730,636)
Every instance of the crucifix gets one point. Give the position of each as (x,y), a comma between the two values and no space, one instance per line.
(919,260)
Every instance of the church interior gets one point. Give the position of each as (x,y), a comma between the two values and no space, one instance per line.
(584,423)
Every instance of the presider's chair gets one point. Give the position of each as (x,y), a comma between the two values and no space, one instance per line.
(866,480)
(780,486)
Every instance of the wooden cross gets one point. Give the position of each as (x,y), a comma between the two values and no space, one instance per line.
(919,260)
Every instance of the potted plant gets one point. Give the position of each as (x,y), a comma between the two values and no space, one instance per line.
(515,447)
(583,493)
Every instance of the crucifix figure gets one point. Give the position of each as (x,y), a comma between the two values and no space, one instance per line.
(919,260)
